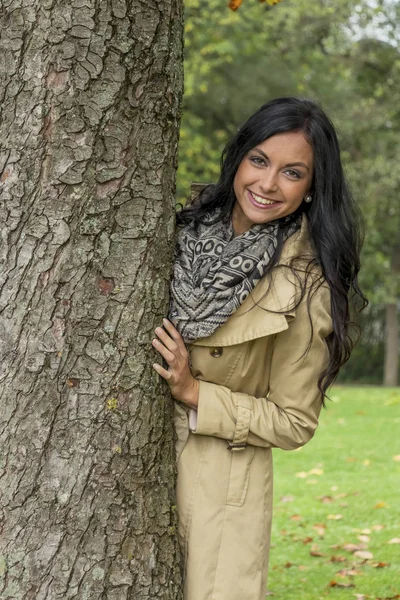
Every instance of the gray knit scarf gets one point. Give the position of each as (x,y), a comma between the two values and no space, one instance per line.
(214,271)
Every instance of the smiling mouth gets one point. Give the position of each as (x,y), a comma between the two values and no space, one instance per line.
(261,200)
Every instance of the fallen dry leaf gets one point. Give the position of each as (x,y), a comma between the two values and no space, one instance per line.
(307,540)
(397,458)
(303,568)
(366,462)
(338,558)
(380,505)
(342,585)
(326,499)
(334,517)
(288,565)
(301,474)
(380,565)
(378,527)
(315,551)
(353,547)
(394,541)
(349,573)
(364,554)
(295,518)
(316,472)
(364,538)
(366,531)
(320,529)
(360,597)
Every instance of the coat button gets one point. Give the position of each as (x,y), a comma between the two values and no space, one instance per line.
(216,352)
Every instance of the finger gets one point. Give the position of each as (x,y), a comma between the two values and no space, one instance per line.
(167,340)
(169,356)
(161,371)
(174,333)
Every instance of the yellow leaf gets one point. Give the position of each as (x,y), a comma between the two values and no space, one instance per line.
(394,541)
(366,462)
(301,474)
(335,517)
(378,527)
(380,505)
(397,458)
(316,472)
(272,2)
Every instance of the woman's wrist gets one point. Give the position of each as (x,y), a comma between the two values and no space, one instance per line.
(191,398)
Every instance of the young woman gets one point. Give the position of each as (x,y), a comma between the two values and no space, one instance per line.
(266,263)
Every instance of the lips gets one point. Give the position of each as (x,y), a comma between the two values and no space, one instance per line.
(268,204)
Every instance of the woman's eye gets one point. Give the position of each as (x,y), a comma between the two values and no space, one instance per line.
(257,160)
(294,174)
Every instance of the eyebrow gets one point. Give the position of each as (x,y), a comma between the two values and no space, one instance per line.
(296,164)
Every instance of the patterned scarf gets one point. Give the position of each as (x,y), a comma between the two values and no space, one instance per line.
(214,271)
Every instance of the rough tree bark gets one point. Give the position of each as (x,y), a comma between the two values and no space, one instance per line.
(90,109)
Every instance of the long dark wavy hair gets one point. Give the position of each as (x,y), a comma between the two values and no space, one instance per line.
(335,224)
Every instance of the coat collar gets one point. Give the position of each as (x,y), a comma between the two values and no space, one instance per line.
(271,303)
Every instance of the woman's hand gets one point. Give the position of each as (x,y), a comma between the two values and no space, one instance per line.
(170,345)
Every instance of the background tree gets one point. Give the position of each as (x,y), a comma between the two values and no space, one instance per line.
(345,56)
(90,108)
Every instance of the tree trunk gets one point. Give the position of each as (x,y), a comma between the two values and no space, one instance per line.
(90,110)
(391,346)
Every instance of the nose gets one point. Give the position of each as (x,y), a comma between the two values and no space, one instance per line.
(269,180)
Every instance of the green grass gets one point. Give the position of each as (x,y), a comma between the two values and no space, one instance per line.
(353,455)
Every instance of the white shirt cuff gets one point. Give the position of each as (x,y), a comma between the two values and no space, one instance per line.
(192,420)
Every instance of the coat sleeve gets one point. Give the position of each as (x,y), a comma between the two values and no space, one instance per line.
(288,417)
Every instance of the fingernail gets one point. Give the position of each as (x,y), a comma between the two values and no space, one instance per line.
(165,320)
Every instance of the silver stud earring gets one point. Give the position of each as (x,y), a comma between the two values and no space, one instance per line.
(308,199)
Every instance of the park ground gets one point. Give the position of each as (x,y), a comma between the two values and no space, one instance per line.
(336,529)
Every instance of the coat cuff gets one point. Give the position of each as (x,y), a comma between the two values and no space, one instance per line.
(223,414)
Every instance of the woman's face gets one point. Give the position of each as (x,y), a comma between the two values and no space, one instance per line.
(272,180)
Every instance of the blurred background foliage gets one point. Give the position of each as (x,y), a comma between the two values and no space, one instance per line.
(347,57)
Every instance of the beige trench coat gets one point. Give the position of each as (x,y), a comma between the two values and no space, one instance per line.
(258,390)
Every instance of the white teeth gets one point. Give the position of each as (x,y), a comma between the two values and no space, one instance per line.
(261,200)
